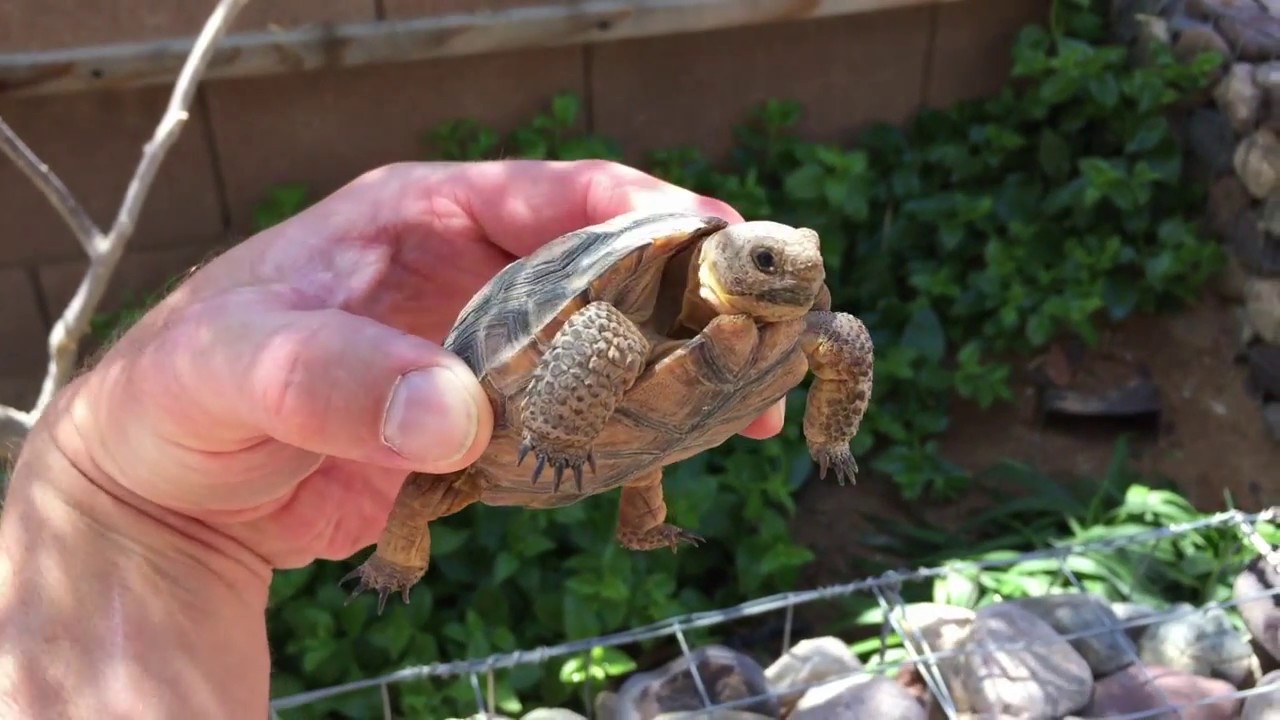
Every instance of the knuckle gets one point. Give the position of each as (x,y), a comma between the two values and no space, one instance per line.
(280,379)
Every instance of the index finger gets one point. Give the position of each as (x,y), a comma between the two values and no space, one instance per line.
(522,204)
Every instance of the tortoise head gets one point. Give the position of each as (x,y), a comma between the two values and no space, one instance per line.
(766,269)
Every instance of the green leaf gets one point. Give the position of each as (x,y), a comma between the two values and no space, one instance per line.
(445,539)
(1105,89)
(1150,133)
(1058,88)
(806,182)
(924,333)
(504,566)
(1054,154)
(564,108)
(1120,295)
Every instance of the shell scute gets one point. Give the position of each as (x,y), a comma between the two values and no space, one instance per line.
(532,296)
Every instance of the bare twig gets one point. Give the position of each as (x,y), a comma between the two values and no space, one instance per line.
(104,250)
(49,184)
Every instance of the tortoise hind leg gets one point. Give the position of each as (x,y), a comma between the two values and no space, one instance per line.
(593,360)
(841,357)
(642,514)
(404,549)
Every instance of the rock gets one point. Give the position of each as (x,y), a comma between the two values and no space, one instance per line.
(862,696)
(1086,617)
(1122,693)
(1262,304)
(1230,281)
(718,714)
(1270,221)
(1128,15)
(1129,612)
(1257,161)
(941,627)
(1256,591)
(1214,9)
(810,662)
(1200,38)
(1182,689)
(1228,197)
(1271,416)
(606,705)
(1239,97)
(1251,32)
(1211,141)
(1016,664)
(1256,251)
(552,714)
(726,675)
(1149,32)
(1247,333)
(1264,374)
(1264,705)
(1267,77)
(912,680)
(1140,688)
(1201,643)
(936,628)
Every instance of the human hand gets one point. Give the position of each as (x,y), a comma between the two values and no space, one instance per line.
(281,394)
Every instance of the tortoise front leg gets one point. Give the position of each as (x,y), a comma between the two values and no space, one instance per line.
(404,549)
(841,356)
(593,360)
(642,513)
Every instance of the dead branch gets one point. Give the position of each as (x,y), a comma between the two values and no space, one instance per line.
(49,184)
(104,249)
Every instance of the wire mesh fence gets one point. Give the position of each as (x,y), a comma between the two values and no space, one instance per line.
(953,678)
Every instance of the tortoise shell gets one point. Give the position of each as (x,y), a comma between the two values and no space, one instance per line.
(702,384)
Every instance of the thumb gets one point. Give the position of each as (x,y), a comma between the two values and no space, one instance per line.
(326,381)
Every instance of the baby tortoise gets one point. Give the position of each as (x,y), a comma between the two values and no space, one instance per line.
(628,346)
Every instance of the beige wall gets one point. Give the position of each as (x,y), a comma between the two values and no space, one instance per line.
(323,128)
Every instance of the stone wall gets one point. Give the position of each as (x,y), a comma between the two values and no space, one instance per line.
(325,127)
(1234,137)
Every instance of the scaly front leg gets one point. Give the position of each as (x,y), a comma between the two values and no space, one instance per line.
(593,360)
(642,514)
(404,550)
(841,356)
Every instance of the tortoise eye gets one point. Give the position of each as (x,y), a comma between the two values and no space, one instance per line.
(764,260)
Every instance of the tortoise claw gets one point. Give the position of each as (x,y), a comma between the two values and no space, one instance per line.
(687,537)
(384,578)
(839,458)
(665,535)
(559,462)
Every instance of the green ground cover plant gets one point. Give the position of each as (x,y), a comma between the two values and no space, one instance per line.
(974,234)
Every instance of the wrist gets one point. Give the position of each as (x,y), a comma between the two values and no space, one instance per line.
(92,579)
(56,483)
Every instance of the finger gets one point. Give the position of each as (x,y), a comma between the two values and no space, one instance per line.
(769,423)
(521,205)
(250,368)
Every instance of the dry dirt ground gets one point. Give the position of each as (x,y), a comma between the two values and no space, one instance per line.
(1210,436)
